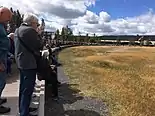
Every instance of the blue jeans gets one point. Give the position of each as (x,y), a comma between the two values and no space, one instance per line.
(3,58)
(27,83)
(2,81)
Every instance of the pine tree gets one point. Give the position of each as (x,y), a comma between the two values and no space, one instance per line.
(57,36)
(69,34)
(63,34)
(16,20)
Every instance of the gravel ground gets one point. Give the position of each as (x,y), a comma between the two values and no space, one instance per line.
(71,103)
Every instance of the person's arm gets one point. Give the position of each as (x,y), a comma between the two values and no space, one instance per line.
(2,36)
(41,42)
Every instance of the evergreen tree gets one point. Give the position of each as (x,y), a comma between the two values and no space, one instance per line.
(16,20)
(69,34)
(57,36)
(63,34)
(87,38)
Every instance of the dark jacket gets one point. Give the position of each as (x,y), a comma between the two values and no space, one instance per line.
(24,58)
(12,46)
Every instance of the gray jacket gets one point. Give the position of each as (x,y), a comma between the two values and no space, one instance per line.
(24,58)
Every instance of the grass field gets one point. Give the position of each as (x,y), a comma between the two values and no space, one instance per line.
(123,77)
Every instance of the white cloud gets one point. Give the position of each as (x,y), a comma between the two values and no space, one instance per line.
(104,17)
(58,13)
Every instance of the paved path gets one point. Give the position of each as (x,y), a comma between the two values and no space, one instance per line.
(71,103)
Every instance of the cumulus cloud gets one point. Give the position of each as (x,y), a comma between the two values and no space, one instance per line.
(60,10)
(74,13)
(104,25)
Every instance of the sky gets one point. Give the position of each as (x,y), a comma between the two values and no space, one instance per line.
(123,8)
(102,17)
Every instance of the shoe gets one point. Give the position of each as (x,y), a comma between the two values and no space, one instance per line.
(34,96)
(59,64)
(29,114)
(33,114)
(4,110)
(55,98)
(59,84)
(9,75)
(3,100)
(32,109)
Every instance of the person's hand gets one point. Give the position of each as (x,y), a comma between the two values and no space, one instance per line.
(12,56)
(2,67)
(39,30)
(11,35)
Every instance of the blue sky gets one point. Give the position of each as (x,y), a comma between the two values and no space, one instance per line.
(123,8)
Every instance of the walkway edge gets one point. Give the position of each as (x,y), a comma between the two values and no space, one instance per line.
(42,99)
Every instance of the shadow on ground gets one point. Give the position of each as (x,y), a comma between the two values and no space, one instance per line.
(81,112)
(68,96)
(14,76)
(12,102)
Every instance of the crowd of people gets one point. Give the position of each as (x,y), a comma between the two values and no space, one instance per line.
(14,48)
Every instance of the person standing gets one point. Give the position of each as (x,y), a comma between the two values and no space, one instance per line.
(25,60)
(5,16)
(10,55)
(12,46)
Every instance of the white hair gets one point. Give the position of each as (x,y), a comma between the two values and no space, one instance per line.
(29,18)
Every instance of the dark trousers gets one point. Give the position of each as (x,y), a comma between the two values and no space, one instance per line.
(9,63)
(54,82)
(27,83)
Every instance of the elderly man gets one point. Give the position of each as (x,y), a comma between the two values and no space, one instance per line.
(5,16)
(26,62)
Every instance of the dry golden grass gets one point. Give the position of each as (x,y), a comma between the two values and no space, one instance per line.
(124,77)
